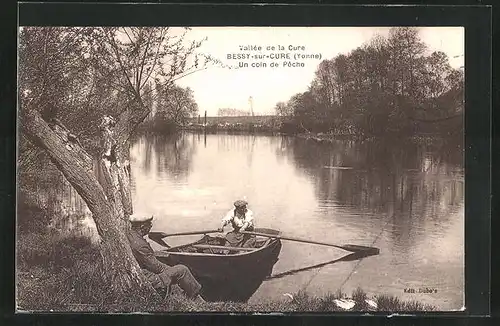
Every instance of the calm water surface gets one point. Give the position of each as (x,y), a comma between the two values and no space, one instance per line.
(406,199)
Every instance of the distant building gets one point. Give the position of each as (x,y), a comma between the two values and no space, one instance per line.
(230,112)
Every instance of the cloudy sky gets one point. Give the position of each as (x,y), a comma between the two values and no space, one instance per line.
(217,87)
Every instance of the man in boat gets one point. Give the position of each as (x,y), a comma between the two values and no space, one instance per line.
(241,219)
(159,274)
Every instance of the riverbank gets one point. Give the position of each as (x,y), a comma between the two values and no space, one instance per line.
(272,125)
(424,139)
(418,139)
(59,274)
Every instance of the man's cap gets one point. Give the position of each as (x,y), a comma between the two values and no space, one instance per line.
(240,203)
(140,218)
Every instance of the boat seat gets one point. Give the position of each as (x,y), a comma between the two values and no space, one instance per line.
(266,242)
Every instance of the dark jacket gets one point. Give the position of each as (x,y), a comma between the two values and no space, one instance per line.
(144,254)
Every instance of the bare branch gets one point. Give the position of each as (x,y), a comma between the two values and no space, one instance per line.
(118,58)
(192,72)
(142,64)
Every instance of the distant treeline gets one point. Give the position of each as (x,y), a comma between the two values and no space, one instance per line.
(385,87)
(173,108)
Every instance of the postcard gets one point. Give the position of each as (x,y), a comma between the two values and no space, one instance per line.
(242,169)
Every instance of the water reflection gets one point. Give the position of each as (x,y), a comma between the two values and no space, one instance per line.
(401,197)
(66,210)
(350,257)
(172,155)
(409,184)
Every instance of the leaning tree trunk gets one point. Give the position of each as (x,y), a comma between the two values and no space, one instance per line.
(106,194)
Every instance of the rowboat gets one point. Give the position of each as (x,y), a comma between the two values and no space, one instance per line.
(226,273)
(235,273)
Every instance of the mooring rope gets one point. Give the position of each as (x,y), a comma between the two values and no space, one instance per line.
(357,264)
(359,261)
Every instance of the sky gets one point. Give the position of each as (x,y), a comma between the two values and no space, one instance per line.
(218,87)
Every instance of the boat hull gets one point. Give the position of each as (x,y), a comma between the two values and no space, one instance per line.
(233,277)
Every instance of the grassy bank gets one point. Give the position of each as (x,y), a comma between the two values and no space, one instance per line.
(424,139)
(277,129)
(64,274)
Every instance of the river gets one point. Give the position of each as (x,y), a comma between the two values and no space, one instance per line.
(405,199)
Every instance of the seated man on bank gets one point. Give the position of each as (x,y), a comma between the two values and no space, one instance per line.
(159,274)
(241,219)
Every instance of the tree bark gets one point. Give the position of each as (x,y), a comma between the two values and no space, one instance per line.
(102,195)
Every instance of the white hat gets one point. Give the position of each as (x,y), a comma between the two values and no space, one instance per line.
(140,218)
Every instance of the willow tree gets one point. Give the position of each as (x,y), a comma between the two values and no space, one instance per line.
(59,66)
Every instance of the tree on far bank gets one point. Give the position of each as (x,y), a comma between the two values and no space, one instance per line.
(388,86)
(176,105)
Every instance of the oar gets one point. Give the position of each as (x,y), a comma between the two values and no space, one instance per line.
(348,247)
(158,236)
(163,234)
